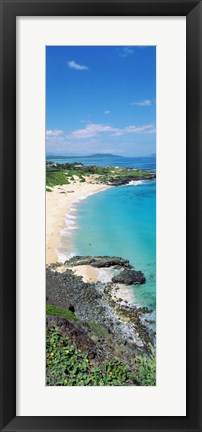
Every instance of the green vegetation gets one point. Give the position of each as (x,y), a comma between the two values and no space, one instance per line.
(98,329)
(56,178)
(58,174)
(61,313)
(146,370)
(68,366)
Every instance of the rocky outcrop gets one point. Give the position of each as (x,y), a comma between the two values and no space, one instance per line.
(99,302)
(99,261)
(120,181)
(129,277)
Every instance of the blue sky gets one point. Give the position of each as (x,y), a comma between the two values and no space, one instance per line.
(101,100)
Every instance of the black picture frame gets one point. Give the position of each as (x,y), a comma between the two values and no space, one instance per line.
(9,11)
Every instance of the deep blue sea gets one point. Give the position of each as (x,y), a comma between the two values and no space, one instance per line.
(121,221)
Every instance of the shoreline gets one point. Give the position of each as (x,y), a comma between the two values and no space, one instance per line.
(85,284)
(58,209)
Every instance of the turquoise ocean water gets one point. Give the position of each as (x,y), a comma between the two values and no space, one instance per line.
(120,221)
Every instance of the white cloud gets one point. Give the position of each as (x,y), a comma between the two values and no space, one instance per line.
(145,102)
(107,112)
(53,133)
(145,129)
(91,130)
(94,129)
(125,51)
(73,65)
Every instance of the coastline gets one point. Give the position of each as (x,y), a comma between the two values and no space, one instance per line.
(58,204)
(89,301)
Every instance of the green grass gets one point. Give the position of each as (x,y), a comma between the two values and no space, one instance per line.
(61,313)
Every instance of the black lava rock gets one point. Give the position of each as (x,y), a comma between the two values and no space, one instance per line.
(98,261)
(129,277)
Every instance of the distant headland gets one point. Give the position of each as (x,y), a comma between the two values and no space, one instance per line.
(96,155)
(103,155)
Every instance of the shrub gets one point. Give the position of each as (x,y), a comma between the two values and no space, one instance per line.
(68,366)
(56,178)
(146,369)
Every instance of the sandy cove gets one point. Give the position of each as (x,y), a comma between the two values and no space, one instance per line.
(58,204)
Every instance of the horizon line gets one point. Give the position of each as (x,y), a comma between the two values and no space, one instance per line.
(94,154)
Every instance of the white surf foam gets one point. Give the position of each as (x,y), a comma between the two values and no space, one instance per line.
(136,182)
(105,275)
(62,256)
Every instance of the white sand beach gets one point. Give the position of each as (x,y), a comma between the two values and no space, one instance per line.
(58,204)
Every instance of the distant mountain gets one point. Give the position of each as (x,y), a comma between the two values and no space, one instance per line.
(103,155)
(96,155)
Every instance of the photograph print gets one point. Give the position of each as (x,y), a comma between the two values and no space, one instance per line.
(101,216)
